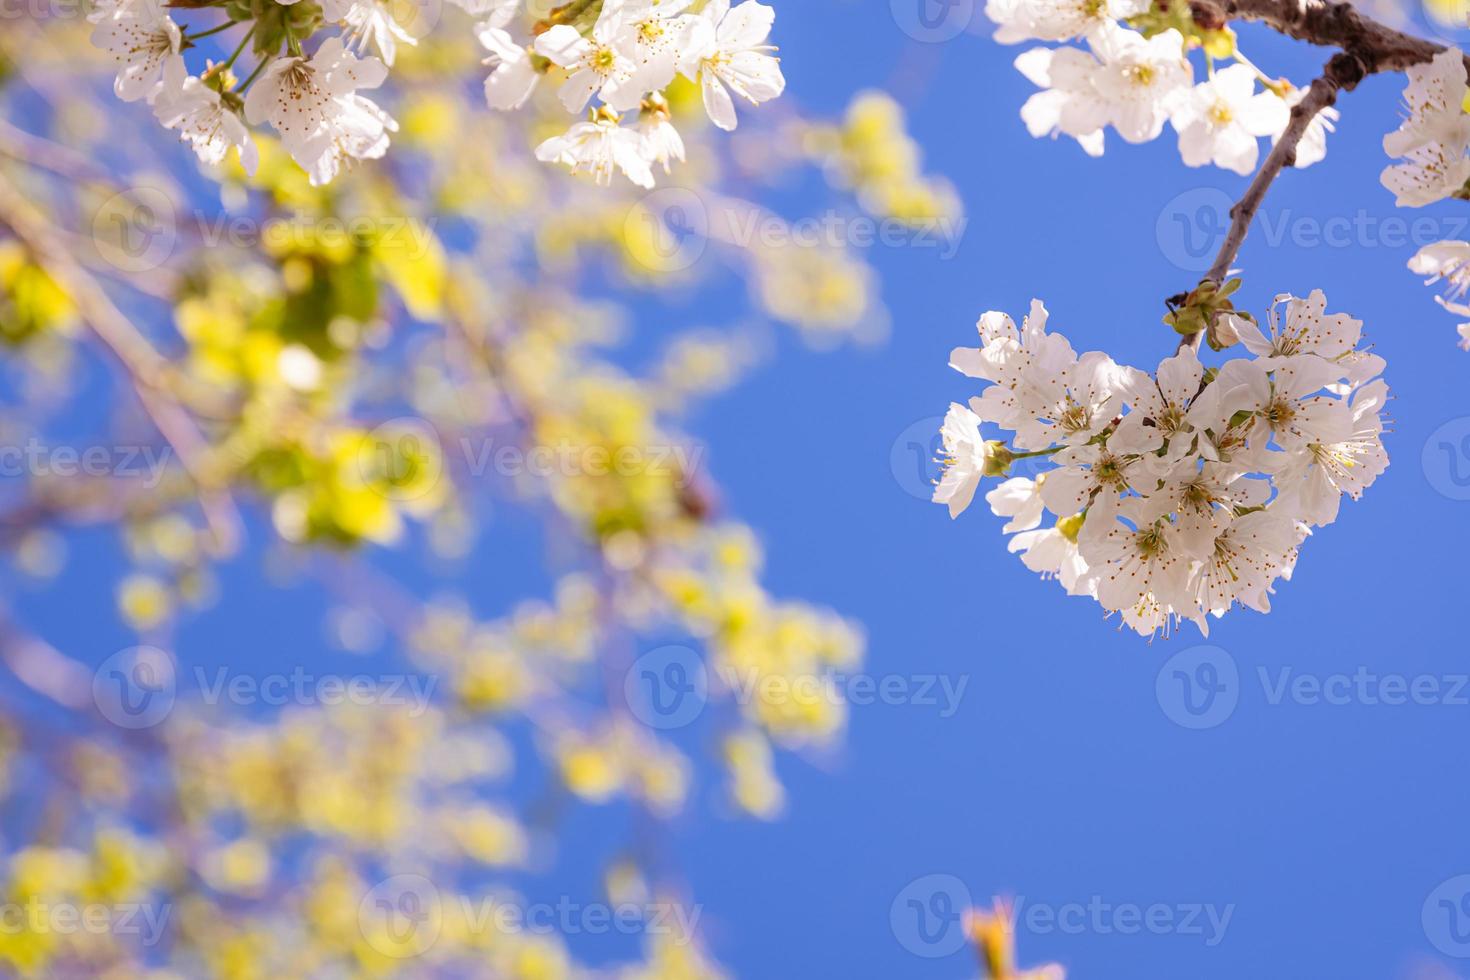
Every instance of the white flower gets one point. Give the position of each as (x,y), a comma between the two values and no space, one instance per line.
(514,77)
(1163,401)
(1071,406)
(965,456)
(729,50)
(1450,261)
(1314,481)
(1052,553)
(144,41)
(1140,79)
(198,112)
(660,39)
(594,65)
(1434,100)
(1069,102)
(1307,329)
(369,21)
(1312,147)
(1019,499)
(1282,398)
(1219,120)
(1430,173)
(497,13)
(313,105)
(1240,564)
(661,141)
(1056,20)
(600,147)
(1087,476)
(1141,568)
(1433,136)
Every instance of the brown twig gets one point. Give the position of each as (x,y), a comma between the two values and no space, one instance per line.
(1343,71)
(148,370)
(1331,24)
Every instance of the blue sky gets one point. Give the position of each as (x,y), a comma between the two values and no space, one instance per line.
(1270,832)
(1062,779)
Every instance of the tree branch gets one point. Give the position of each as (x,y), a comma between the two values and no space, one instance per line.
(1331,24)
(1343,71)
(147,369)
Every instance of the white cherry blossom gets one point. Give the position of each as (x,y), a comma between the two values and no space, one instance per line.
(313,104)
(203,120)
(145,43)
(594,65)
(1057,20)
(1220,120)
(965,455)
(600,147)
(729,53)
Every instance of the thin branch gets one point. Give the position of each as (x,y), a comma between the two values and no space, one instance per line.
(1331,24)
(1343,71)
(147,368)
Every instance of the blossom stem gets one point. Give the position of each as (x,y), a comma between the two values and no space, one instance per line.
(243,41)
(1343,71)
(1038,452)
(214,30)
(255,74)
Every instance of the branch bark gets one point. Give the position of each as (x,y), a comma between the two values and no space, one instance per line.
(146,368)
(1343,71)
(1331,24)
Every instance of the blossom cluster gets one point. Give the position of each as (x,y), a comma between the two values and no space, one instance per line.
(1434,142)
(632,51)
(1176,494)
(1135,83)
(623,52)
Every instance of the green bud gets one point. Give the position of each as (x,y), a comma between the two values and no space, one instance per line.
(998,459)
(1070,527)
